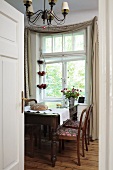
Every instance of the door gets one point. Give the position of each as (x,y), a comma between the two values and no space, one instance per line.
(11,85)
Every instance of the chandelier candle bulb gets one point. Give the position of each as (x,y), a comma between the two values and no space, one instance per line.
(51,15)
(52,2)
(30,10)
(27,2)
(65,7)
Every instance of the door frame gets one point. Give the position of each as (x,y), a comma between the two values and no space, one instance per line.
(105,85)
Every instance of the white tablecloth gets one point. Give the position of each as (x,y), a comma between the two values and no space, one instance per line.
(63,112)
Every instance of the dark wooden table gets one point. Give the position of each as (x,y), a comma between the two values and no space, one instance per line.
(52,120)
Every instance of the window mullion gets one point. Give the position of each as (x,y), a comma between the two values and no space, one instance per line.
(64,74)
(62,42)
(52,44)
(72,42)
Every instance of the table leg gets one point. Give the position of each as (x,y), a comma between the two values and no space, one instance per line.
(53,148)
(45,130)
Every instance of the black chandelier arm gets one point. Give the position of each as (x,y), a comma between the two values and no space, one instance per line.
(61,22)
(34,20)
(55,16)
(37,12)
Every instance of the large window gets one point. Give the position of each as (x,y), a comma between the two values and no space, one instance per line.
(65,58)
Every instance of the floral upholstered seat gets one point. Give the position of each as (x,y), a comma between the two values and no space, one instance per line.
(63,131)
(71,123)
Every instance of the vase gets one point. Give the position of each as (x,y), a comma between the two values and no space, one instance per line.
(64,102)
(71,101)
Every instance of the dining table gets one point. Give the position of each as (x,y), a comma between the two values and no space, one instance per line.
(53,118)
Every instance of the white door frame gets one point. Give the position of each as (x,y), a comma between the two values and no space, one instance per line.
(106,85)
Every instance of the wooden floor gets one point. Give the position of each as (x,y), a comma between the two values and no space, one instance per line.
(65,160)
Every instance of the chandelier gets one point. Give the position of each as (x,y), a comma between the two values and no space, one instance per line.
(46,15)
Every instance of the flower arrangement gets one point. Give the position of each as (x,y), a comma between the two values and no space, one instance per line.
(75,93)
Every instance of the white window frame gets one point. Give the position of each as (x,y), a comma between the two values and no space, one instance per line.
(77,55)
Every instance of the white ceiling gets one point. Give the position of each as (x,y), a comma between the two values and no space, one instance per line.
(74,5)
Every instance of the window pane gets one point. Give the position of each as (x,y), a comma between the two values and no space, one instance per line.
(53,80)
(79,41)
(67,42)
(76,75)
(57,43)
(47,44)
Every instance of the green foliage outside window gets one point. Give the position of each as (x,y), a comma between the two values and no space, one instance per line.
(53,79)
(75,77)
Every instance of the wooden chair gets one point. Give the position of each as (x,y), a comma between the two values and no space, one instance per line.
(65,133)
(85,129)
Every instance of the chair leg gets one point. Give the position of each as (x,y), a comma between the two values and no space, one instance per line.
(35,137)
(86,142)
(32,143)
(50,133)
(39,145)
(62,144)
(83,144)
(78,152)
(88,131)
(59,146)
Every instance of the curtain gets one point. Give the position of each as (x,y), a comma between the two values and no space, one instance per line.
(61,29)
(95,80)
(92,59)
(93,77)
(27,64)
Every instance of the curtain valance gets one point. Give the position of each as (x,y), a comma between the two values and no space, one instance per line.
(62,29)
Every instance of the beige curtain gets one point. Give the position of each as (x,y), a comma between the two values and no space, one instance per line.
(61,29)
(95,80)
(93,83)
(27,64)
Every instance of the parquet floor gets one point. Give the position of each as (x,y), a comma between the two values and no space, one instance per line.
(65,160)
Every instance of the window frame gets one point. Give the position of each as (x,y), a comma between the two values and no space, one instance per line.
(67,52)
(76,55)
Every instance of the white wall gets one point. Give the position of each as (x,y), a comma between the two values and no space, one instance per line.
(77,17)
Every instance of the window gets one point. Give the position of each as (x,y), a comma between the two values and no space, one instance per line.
(76,75)
(74,42)
(65,58)
(53,79)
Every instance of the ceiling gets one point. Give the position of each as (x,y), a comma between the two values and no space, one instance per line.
(74,5)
